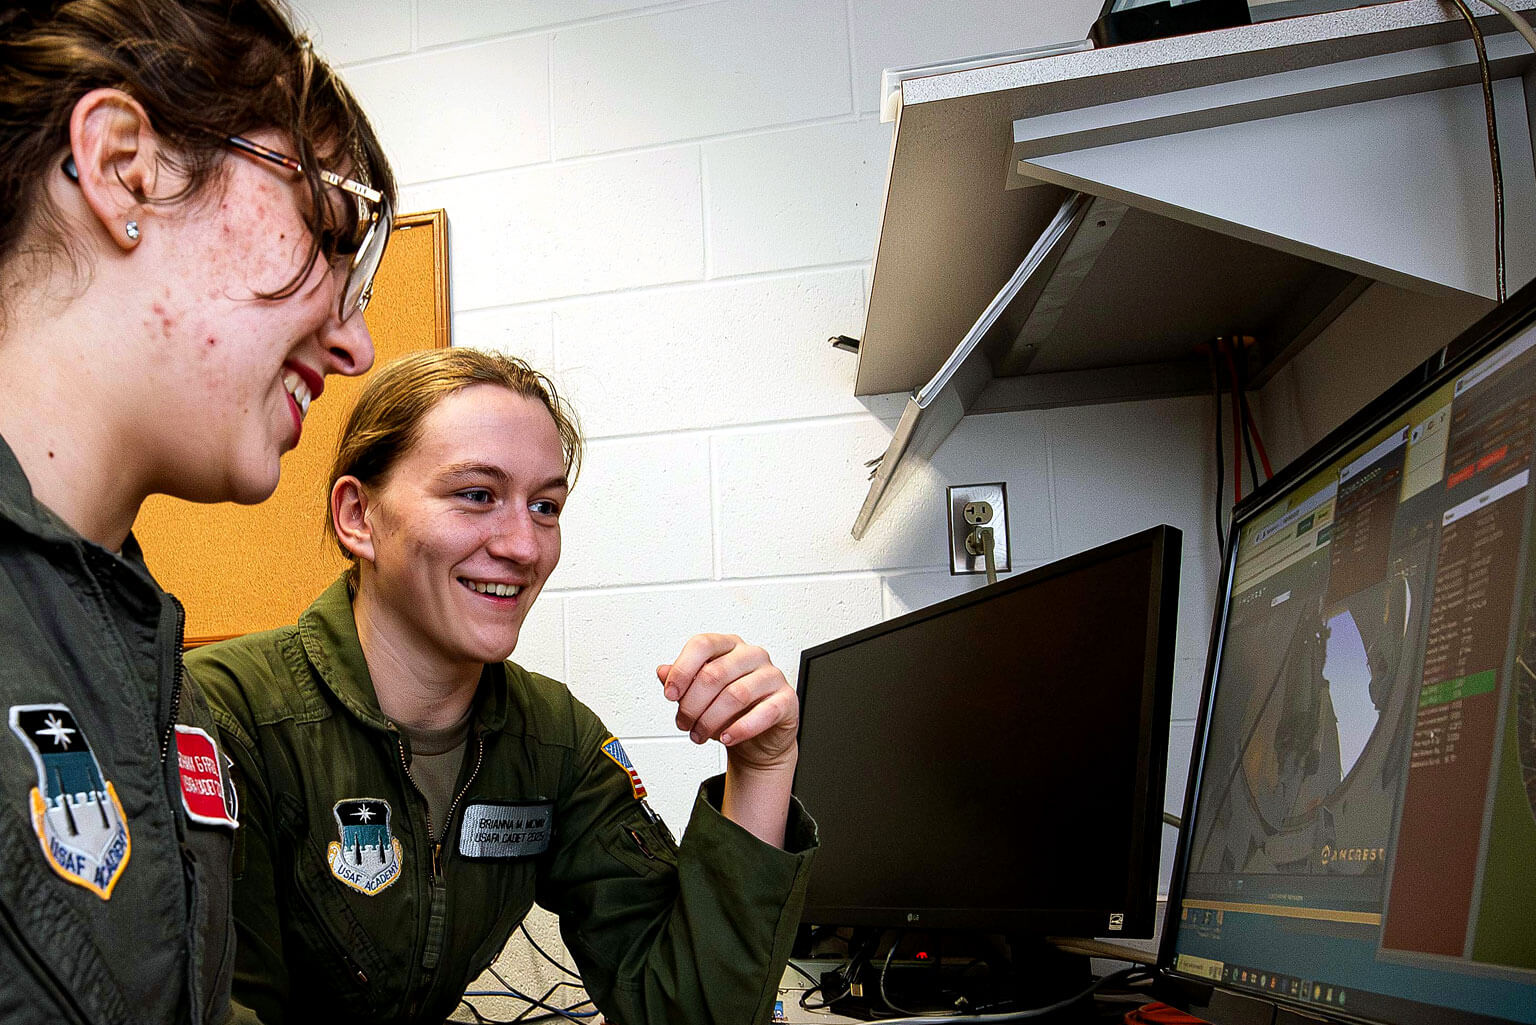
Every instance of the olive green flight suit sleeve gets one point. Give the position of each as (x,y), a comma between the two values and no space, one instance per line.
(666,935)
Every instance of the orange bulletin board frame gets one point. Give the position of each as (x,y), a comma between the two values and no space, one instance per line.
(239,568)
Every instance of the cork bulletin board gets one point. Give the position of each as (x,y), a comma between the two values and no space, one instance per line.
(244,568)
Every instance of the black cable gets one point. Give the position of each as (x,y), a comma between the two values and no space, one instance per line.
(884,999)
(1124,975)
(1221,468)
(1253,464)
(851,970)
(564,1013)
(808,976)
(1493,148)
(545,954)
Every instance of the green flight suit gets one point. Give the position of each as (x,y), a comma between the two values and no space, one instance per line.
(114,885)
(344,920)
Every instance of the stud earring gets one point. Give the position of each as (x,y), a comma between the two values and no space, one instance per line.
(131,229)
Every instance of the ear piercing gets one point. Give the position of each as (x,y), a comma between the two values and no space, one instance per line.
(131,229)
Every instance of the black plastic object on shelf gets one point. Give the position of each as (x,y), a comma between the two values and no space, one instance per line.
(1131,21)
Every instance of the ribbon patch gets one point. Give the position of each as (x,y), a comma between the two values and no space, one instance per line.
(613,749)
(503,830)
(75,811)
(206,795)
(368,856)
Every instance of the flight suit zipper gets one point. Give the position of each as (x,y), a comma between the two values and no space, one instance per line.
(178,674)
(437,913)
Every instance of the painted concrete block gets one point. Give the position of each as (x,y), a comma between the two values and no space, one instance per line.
(698,71)
(639,514)
(541,641)
(711,355)
(672,771)
(908,592)
(439,23)
(551,231)
(788,497)
(796,198)
(619,639)
(476,108)
(528,334)
(343,37)
(1118,469)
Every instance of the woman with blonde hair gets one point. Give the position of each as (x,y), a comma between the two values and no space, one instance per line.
(408,794)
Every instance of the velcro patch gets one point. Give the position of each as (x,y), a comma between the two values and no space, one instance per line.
(613,749)
(504,830)
(78,819)
(206,793)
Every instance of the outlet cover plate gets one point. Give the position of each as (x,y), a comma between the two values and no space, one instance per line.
(962,562)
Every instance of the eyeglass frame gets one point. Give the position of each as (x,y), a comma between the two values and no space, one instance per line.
(382,212)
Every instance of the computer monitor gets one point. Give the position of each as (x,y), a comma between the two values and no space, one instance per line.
(1360,828)
(995,762)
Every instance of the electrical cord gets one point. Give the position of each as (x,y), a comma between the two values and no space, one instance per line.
(851,970)
(1493,146)
(1221,538)
(884,999)
(1521,25)
(1125,975)
(1240,408)
(572,1013)
(545,954)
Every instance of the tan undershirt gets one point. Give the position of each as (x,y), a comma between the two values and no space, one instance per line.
(436,758)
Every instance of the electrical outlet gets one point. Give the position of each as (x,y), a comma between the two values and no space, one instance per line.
(972,506)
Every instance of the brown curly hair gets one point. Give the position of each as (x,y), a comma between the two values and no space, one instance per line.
(202,69)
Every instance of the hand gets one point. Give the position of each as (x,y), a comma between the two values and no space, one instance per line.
(732,692)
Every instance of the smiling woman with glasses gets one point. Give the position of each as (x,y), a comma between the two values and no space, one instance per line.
(194,211)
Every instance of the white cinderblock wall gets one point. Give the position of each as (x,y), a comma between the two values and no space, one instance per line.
(670,207)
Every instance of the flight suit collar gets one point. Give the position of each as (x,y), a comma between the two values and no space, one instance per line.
(20,508)
(328,631)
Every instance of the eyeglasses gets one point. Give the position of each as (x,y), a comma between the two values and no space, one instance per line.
(369,233)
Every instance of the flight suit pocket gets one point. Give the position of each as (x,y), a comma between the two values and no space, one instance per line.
(341,956)
(645,847)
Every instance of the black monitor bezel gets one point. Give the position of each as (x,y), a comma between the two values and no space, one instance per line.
(1230,1006)
(1137,900)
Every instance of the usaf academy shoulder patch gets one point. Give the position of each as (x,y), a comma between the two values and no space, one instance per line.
(613,749)
(207,795)
(503,830)
(78,819)
(368,856)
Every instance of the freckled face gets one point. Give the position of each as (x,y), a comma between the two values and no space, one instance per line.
(466,527)
(232,373)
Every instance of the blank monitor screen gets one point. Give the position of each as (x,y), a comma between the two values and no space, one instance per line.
(995,761)
(1364,821)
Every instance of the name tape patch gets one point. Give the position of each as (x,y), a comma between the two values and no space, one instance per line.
(206,794)
(502,830)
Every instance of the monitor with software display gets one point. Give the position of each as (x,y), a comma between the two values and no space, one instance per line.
(1360,827)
